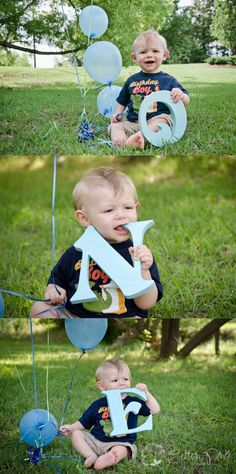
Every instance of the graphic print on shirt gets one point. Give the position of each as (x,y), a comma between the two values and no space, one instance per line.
(110,298)
(141,89)
(105,421)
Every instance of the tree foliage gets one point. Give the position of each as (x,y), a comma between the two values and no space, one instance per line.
(224,23)
(188,32)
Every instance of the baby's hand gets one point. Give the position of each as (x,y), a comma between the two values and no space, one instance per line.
(176,95)
(142,253)
(66,430)
(142,387)
(115,118)
(53,296)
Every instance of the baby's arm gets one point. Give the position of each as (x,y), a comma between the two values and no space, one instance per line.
(177,95)
(149,298)
(55,297)
(68,429)
(151,402)
(117,116)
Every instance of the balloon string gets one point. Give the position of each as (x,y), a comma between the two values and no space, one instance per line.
(18,373)
(47,370)
(70,389)
(33,363)
(74,62)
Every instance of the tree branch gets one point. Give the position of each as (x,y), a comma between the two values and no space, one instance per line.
(207,331)
(5,44)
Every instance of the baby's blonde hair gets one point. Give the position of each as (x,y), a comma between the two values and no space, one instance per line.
(148,36)
(102,176)
(111,364)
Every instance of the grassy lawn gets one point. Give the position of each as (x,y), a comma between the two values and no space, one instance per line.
(194,433)
(41,109)
(191,200)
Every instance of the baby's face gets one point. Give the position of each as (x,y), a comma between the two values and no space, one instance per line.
(149,55)
(108,212)
(115,379)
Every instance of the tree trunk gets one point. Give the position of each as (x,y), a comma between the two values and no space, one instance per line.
(35,65)
(169,337)
(217,342)
(204,333)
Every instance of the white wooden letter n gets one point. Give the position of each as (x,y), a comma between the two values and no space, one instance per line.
(127,277)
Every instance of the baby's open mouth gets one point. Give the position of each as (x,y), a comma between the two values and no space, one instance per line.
(121,228)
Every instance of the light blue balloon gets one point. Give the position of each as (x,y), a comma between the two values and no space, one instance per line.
(106,100)
(38,428)
(165,134)
(93,21)
(1,306)
(103,62)
(86,333)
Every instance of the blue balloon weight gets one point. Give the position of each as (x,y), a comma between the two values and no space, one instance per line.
(103,62)
(86,333)
(106,100)
(93,21)
(1,306)
(38,428)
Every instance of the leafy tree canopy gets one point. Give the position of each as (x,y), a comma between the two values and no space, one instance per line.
(224,23)
(188,31)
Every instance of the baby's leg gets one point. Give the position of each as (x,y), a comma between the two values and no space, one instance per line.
(137,139)
(153,125)
(117,134)
(112,457)
(40,306)
(82,447)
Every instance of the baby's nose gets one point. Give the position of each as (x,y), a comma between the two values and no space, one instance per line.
(120,213)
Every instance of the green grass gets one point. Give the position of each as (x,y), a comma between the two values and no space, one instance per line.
(192,201)
(194,432)
(40,111)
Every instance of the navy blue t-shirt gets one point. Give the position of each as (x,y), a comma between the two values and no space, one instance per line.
(142,84)
(97,417)
(111,301)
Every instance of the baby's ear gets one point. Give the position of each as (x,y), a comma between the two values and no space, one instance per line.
(166,54)
(133,56)
(100,386)
(82,218)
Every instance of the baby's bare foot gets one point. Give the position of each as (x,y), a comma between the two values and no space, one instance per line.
(136,141)
(90,460)
(106,460)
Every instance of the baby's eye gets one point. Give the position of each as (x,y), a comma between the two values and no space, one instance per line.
(115,380)
(108,210)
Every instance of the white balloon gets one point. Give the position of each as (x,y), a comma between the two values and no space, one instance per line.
(106,100)
(103,62)
(93,21)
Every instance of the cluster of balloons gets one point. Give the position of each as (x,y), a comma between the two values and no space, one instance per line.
(38,427)
(102,59)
